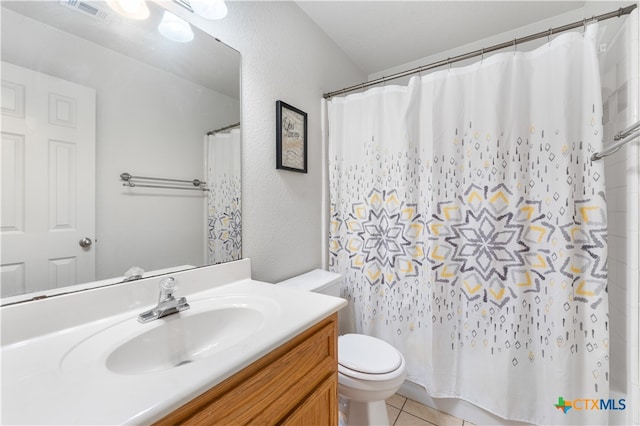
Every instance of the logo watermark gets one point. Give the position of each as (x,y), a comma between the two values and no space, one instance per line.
(581,404)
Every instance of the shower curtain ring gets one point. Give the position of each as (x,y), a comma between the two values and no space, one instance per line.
(482,57)
(449,63)
(549,35)
(515,46)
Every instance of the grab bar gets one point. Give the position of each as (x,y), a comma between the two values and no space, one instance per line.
(626,132)
(129,181)
(616,146)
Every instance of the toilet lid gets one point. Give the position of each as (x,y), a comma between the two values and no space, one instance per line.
(367,354)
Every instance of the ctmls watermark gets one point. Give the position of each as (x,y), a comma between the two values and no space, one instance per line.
(590,404)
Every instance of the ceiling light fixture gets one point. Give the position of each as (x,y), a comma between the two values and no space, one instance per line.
(133,9)
(210,9)
(174,28)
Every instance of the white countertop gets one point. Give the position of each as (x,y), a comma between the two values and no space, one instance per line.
(47,380)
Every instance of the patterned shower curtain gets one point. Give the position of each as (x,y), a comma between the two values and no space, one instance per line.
(223,204)
(469,224)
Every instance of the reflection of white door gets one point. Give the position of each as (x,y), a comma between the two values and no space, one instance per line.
(48,181)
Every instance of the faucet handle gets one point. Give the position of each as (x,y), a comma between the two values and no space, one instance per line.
(168,286)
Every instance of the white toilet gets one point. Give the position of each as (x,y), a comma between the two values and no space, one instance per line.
(369,369)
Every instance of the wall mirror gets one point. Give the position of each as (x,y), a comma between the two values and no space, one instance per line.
(88,95)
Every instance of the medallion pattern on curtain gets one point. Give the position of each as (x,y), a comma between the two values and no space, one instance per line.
(224,216)
(470,226)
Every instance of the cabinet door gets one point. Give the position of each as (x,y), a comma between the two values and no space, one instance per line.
(320,408)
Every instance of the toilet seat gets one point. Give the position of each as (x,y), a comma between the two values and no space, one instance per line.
(368,358)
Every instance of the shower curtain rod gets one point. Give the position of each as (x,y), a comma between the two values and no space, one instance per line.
(222,129)
(513,43)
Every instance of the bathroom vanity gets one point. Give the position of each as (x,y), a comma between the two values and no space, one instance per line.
(296,384)
(245,351)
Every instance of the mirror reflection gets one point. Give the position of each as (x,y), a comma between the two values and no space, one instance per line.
(88,95)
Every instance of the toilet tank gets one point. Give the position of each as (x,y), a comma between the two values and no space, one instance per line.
(318,281)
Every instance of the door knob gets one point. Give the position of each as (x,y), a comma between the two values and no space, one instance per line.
(85,242)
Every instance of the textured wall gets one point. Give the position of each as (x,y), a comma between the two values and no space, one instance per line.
(284,57)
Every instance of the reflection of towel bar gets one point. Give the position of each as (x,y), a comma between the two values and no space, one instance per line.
(129,181)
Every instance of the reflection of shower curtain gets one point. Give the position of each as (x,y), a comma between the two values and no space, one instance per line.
(223,178)
(469,224)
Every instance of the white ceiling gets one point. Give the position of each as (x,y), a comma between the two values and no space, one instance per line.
(378,35)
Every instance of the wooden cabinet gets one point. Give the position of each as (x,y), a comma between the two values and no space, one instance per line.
(320,408)
(295,384)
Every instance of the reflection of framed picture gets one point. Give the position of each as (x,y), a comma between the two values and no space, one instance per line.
(291,138)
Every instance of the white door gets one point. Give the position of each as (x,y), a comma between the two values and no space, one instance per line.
(48,182)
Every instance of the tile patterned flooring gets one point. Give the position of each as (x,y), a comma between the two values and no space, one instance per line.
(406,412)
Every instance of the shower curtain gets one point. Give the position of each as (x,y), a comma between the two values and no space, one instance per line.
(469,224)
(223,204)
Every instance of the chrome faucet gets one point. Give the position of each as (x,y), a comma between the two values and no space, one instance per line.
(167,303)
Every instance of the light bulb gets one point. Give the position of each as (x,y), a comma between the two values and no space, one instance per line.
(133,9)
(174,28)
(130,6)
(210,9)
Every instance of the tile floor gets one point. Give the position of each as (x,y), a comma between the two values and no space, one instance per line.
(407,412)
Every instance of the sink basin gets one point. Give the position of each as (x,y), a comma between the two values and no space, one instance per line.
(182,340)
(210,327)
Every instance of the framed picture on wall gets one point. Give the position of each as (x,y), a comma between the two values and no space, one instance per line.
(291,138)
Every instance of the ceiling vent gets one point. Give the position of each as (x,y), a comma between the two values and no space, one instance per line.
(88,8)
